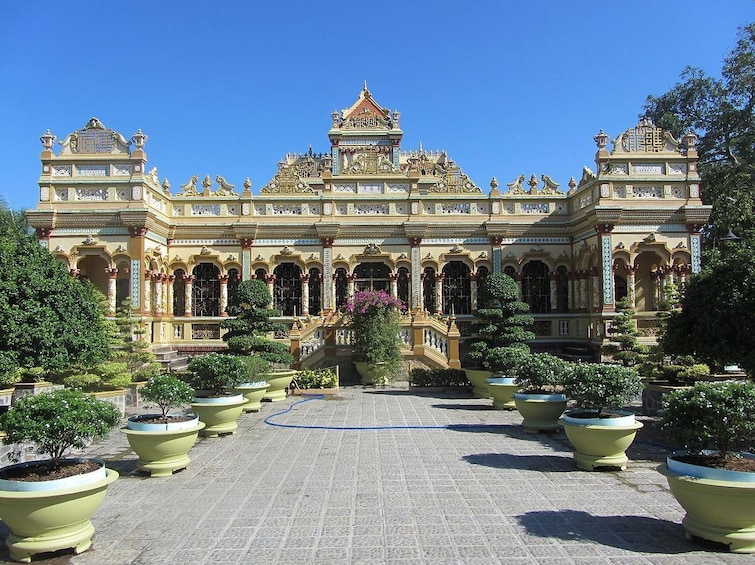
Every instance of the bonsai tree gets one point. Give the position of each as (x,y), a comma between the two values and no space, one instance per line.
(128,345)
(508,360)
(373,316)
(503,322)
(597,387)
(250,323)
(624,345)
(712,416)
(58,421)
(542,373)
(216,373)
(167,391)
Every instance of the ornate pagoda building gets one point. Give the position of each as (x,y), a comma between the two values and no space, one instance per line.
(370,214)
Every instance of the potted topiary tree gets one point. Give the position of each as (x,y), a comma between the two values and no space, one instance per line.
(541,399)
(713,479)
(373,317)
(505,362)
(214,376)
(503,322)
(248,328)
(598,429)
(162,441)
(48,504)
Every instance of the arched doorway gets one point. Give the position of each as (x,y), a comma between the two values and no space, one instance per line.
(457,296)
(402,286)
(287,289)
(205,292)
(92,268)
(536,287)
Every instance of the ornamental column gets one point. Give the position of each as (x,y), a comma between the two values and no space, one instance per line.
(553,275)
(655,284)
(631,278)
(582,290)
(573,294)
(112,275)
(159,280)
(350,281)
(169,294)
(147,309)
(223,294)
(246,257)
(473,277)
(136,249)
(416,276)
(394,284)
(421,287)
(188,294)
(495,243)
(595,301)
(328,281)
(694,247)
(304,278)
(606,265)
(270,280)
(439,293)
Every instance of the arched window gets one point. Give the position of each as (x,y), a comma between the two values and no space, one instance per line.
(205,294)
(260,274)
(234,278)
(510,271)
(315,291)
(342,287)
(456,288)
(122,283)
(402,286)
(536,287)
(428,289)
(287,289)
(620,288)
(562,289)
(372,276)
(179,293)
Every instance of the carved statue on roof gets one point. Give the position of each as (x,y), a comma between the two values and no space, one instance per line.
(226,189)
(153,176)
(646,137)
(550,186)
(286,181)
(190,188)
(587,176)
(516,187)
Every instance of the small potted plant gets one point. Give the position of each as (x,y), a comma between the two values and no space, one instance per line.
(162,441)
(598,428)
(541,399)
(214,376)
(713,478)
(48,504)
(373,317)
(505,363)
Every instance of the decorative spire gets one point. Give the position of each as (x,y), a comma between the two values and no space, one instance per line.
(601,139)
(47,140)
(139,139)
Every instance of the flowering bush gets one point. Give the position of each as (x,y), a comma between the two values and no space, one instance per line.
(541,373)
(167,391)
(217,373)
(597,386)
(373,316)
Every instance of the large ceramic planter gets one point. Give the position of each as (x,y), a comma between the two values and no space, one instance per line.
(42,521)
(540,412)
(162,448)
(502,390)
(219,414)
(600,442)
(478,378)
(373,374)
(720,504)
(253,392)
(278,382)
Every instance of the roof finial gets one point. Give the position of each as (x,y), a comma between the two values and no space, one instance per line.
(365,86)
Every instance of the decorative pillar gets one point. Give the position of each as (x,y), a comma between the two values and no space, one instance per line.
(416,275)
(553,288)
(169,294)
(328,282)
(188,294)
(270,280)
(655,287)
(159,280)
(606,265)
(147,309)
(394,286)
(495,242)
(421,291)
(223,294)
(473,290)
(304,277)
(439,293)
(573,293)
(694,247)
(246,258)
(595,299)
(136,248)
(582,290)
(350,289)
(112,275)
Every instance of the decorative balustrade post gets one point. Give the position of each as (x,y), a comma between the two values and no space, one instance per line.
(294,336)
(595,279)
(454,362)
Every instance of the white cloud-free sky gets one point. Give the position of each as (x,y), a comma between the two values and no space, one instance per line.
(228,88)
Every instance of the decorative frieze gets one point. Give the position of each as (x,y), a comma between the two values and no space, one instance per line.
(92,170)
(647,192)
(286,210)
(370,209)
(370,188)
(534,207)
(91,194)
(347,188)
(205,210)
(397,188)
(61,170)
(61,194)
(647,168)
(121,170)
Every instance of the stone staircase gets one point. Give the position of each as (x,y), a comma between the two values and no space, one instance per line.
(170,358)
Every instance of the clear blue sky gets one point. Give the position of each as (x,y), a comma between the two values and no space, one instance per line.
(228,88)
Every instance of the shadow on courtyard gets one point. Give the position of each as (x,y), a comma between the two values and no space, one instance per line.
(543,463)
(631,533)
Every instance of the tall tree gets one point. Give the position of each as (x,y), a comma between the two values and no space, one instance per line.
(50,319)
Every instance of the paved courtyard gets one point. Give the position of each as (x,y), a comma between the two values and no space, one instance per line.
(446,480)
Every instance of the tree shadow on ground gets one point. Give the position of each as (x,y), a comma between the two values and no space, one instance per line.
(543,463)
(449,393)
(631,533)
(474,407)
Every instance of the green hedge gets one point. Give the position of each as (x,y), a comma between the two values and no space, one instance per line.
(437,377)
